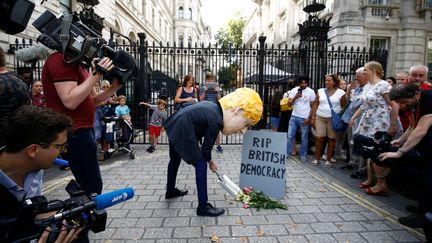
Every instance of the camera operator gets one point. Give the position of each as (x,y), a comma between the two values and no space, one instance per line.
(69,89)
(419,137)
(35,136)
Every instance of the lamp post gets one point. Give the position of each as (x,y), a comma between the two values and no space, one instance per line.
(89,17)
(313,43)
(314,6)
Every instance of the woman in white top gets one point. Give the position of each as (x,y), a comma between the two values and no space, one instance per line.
(321,116)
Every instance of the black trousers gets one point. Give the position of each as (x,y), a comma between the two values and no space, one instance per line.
(82,156)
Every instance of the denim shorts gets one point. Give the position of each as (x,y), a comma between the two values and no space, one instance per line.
(275,122)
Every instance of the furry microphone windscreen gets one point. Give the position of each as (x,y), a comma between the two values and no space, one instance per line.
(34,53)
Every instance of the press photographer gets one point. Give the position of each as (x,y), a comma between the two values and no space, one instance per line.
(79,212)
(418,137)
(34,138)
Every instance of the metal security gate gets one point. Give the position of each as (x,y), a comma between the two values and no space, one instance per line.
(262,67)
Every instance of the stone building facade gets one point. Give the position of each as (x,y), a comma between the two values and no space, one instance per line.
(164,21)
(403,27)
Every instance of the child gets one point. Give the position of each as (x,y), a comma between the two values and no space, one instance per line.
(158,116)
(231,114)
(122,110)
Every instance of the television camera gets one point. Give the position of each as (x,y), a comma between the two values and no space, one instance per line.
(14,15)
(81,210)
(80,44)
(372,147)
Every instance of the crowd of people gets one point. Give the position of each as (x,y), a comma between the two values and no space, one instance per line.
(62,115)
(388,124)
(75,102)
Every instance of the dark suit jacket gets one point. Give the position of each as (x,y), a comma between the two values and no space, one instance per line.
(192,123)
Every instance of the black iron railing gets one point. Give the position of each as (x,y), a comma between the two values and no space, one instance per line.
(262,67)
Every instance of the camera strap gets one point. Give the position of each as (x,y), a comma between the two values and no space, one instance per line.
(65,37)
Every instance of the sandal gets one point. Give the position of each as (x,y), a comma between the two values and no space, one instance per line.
(315,162)
(363,185)
(327,164)
(382,192)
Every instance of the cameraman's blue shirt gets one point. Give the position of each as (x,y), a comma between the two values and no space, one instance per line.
(32,185)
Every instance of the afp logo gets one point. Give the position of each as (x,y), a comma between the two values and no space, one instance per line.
(120,198)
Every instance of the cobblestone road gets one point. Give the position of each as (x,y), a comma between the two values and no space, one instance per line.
(320,208)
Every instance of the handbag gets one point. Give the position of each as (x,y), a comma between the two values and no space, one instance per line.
(338,124)
(284,105)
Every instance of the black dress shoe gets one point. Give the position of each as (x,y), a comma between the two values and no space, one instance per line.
(175,193)
(210,211)
(413,221)
(347,167)
(411,209)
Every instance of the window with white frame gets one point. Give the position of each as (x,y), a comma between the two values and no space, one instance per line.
(189,41)
(377,2)
(180,13)
(180,40)
(379,43)
(189,13)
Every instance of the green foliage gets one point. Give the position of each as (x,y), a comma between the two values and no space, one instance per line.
(260,200)
(227,76)
(230,37)
(231,34)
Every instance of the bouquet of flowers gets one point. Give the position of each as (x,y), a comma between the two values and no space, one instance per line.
(257,199)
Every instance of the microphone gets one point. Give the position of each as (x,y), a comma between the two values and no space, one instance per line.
(32,54)
(61,162)
(100,202)
(109,199)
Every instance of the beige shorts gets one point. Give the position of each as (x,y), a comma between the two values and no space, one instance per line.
(323,127)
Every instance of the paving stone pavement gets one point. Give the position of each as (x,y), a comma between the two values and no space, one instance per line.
(320,208)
